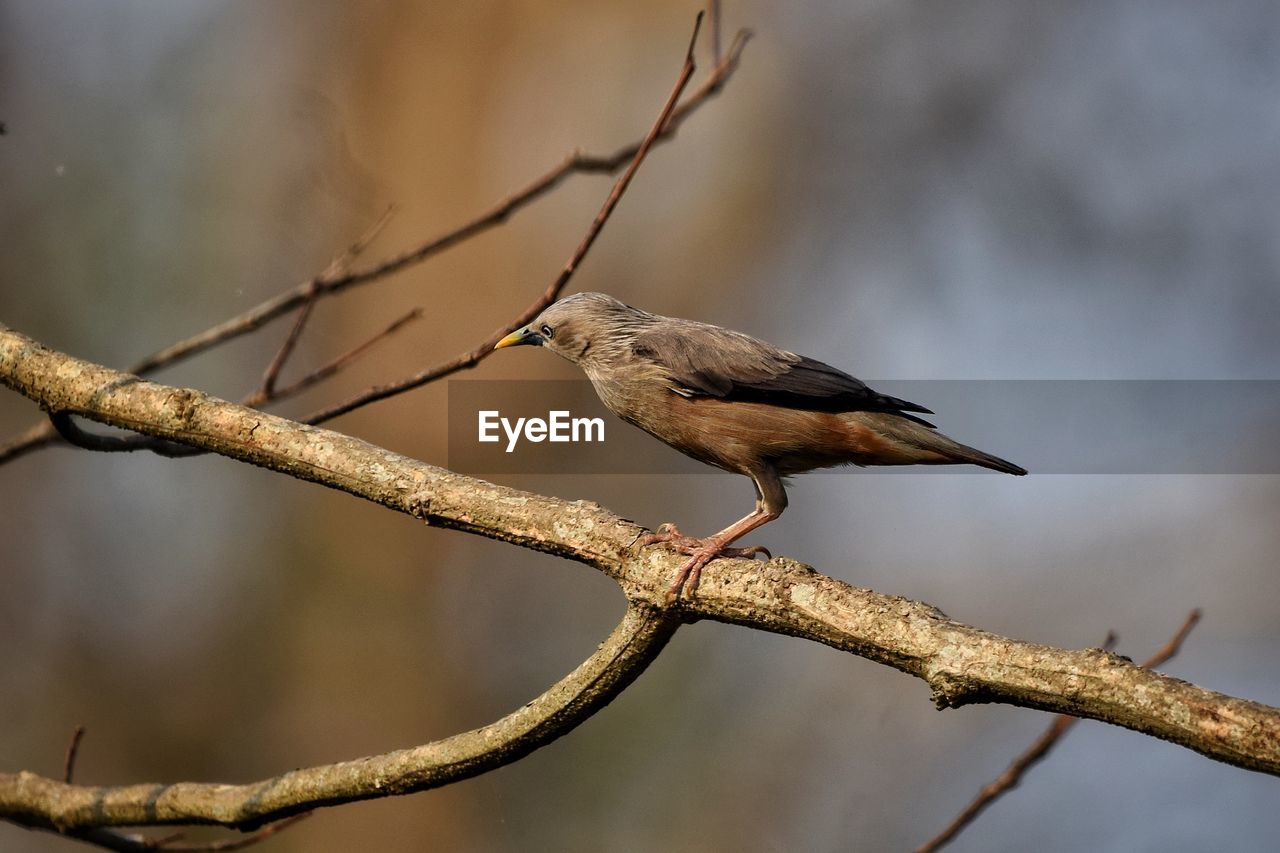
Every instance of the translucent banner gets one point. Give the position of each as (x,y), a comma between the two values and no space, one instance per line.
(1046,426)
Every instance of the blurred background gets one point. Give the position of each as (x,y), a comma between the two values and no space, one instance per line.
(909,190)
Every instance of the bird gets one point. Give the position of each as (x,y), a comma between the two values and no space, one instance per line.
(737,403)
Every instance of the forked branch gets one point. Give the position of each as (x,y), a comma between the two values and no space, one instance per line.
(1036,753)
(962,664)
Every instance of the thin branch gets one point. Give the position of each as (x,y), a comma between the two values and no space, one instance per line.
(74,435)
(342,263)
(337,266)
(228,844)
(38,435)
(42,434)
(110,839)
(59,424)
(69,762)
(1171,648)
(77,437)
(1010,777)
(129,842)
(325,371)
(467,359)
(267,386)
(577,162)
(1061,724)
(485,348)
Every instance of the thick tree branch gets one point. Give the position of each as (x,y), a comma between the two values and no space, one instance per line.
(1040,748)
(962,664)
(39,802)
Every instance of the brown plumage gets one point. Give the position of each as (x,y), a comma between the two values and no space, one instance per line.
(737,403)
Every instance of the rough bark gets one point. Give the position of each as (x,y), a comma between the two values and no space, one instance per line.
(962,664)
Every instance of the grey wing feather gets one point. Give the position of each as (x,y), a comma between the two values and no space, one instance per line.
(705,360)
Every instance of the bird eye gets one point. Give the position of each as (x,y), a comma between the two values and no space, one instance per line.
(547,331)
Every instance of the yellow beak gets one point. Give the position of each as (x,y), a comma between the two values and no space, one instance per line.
(518,337)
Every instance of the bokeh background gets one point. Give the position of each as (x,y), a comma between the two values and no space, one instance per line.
(911,190)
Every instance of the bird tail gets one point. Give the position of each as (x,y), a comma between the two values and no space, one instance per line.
(938,449)
(964,453)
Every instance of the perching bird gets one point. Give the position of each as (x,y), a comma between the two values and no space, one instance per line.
(737,403)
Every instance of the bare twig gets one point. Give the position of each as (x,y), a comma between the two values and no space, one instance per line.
(577,162)
(268,385)
(1171,648)
(129,842)
(69,762)
(34,437)
(43,434)
(342,263)
(74,435)
(465,360)
(1061,724)
(325,371)
(266,392)
(337,266)
(114,840)
(229,844)
(485,348)
(77,437)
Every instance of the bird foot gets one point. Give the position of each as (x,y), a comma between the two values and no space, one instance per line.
(671,534)
(700,551)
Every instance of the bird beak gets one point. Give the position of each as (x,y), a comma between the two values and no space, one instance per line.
(519,337)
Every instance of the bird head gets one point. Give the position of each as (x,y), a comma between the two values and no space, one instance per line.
(581,328)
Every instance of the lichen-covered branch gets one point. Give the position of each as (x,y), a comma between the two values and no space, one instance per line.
(1038,750)
(35,801)
(962,664)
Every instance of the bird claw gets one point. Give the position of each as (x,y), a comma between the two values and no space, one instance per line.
(700,551)
(670,533)
(690,573)
(692,546)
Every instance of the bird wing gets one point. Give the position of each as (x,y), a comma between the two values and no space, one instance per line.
(705,360)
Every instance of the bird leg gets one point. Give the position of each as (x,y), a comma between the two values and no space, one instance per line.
(770,502)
